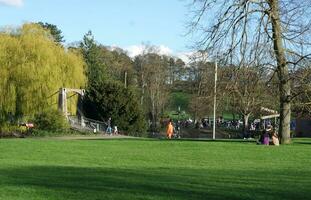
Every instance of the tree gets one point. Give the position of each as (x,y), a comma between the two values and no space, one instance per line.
(111,99)
(152,75)
(121,66)
(246,88)
(109,91)
(202,85)
(54,31)
(175,70)
(32,69)
(106,62)
(93,56)
(247,27)
(301,87)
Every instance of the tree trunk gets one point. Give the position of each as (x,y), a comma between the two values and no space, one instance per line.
(154,126)
(142,90)
(245,123)
(282,71)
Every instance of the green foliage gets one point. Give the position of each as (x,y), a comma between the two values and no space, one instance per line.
(9,130)
(32,69)
(152,71)
(54,31)
(121,67)
(179,99)
(105,97)
(51,120)
(175,116)
(47,133)
(111,99)
(93,56)
(106,63)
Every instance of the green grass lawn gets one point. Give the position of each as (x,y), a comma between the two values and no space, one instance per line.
(153,169)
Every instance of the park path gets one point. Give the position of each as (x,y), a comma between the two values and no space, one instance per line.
(92,137)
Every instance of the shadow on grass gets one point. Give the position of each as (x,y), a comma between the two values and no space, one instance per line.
(219,140)
(240,141)
(58,182)
(306,143)
(207,140)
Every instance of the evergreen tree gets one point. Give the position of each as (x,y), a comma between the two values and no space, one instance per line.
(112,99)
(92,53)
(54,31)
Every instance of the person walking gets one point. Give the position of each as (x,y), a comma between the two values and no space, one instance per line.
(109,130)
(169,130)
(115,130)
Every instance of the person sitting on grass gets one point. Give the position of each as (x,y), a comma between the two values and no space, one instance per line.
(275,138)
(266,136)
(169,130)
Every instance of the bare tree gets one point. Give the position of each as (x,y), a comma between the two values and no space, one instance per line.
(152,70)
(247,89)
(247,28)
(301,87)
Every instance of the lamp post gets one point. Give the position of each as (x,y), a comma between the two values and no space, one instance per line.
(215,84)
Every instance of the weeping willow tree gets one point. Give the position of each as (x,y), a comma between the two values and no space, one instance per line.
(32,69)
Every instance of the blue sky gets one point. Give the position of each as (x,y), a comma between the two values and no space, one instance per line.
(124,23)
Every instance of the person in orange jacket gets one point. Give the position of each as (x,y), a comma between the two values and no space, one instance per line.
(169,130)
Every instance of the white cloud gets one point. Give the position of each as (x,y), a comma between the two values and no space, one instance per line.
(16,3)
(185,56)
(164,50)
(135,50)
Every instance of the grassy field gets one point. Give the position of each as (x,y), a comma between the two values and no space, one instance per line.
(153,169)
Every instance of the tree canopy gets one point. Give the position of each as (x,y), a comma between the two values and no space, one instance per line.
(55,32)
(110,99)
(32,69)
(243,31)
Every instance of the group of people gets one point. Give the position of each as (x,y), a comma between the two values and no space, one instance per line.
(109,129)
(268,134)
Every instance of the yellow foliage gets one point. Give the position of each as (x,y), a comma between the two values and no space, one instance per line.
(33,68)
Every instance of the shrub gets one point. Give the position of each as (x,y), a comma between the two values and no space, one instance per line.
(51,120)
(9,130)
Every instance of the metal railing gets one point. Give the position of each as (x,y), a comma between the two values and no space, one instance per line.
(83,123)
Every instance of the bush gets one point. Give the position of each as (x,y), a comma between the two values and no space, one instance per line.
(45,133)
(51,120)
(9,130)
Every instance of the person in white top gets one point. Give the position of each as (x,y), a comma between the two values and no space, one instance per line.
(115,130)
(275,139)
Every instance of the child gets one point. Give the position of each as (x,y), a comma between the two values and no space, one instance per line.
(115,130)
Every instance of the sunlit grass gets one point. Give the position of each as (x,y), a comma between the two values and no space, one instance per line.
(153,169)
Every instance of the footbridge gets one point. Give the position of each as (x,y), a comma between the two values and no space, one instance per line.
(78,121)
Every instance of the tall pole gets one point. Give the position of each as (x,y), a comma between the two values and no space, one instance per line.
(125,79)
(215,84)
